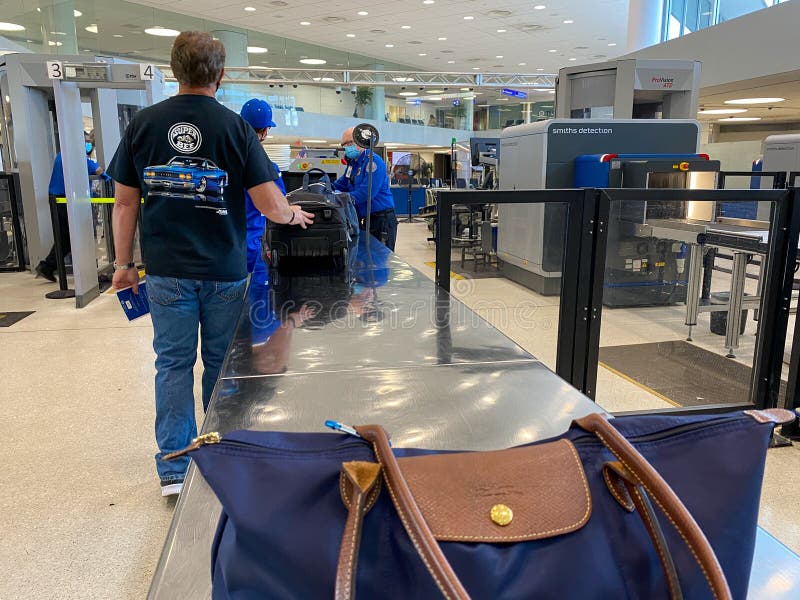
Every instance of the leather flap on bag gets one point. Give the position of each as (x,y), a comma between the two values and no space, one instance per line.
(510,495)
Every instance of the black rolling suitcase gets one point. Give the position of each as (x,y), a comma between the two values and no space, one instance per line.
(328,239)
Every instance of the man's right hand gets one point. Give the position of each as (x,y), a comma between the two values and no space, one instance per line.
(301,217)
(125,279)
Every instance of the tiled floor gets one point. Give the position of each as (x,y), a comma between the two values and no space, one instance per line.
(80,510)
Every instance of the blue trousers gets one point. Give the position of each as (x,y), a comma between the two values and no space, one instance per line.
(178,308)
(384,227)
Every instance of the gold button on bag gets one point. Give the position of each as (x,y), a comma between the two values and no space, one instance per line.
(501,514)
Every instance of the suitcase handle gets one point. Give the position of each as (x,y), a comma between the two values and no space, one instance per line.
(324,179)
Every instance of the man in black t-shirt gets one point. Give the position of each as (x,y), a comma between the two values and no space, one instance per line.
(193,159)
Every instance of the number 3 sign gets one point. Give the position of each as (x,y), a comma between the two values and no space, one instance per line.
(55,69)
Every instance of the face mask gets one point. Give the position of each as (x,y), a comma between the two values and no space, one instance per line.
(89,147)
(351,152)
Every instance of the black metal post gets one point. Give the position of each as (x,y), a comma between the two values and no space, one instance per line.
(573,308)
(444,216)
(776,300)
(63,291)
(593,280)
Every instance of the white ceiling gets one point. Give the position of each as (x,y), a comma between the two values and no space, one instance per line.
(470,43)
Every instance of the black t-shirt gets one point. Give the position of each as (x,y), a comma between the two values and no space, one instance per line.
(193,159)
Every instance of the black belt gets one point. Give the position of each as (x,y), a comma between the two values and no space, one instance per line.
(380,213)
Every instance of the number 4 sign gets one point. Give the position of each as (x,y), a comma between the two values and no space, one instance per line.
(55,69)
(146,72)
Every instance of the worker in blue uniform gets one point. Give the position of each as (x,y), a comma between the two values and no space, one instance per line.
(383,221)
(47,267)
(258,113)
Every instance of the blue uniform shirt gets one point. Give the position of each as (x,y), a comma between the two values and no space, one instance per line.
(56,187)
(255,229)
(354,181)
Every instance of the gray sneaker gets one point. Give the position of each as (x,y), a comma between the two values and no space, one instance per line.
(172,488)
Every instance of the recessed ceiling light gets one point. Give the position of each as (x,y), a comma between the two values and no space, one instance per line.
(451,62)
(442,39)
(539,7)
(389,45)
(468,18)
(573,59)
(434,91)
(422,54)
(407,94)
(722,111)
(464,89)
(77,13)
(740,119)
(612,43)
(162,31)
(304,23)
(475,68)
(405,26)
(315,141)
(350,35)
(499,56)
(117,35)
(57,33)
(250,8)
(313,61)
(754,100)
(52,43)
(427,1)
(362,13)
(540,69)
(501,30)
(552,51)
(256,50)
(434,98)
(522,64)
(568,21)
(401,79)
(91,28)
(551,91)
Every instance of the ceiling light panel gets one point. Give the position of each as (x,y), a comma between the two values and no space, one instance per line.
(161,32)
(755,100)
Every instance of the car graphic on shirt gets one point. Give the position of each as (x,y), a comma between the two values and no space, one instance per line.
(187,174)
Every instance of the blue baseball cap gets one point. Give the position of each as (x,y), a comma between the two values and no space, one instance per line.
(258,113)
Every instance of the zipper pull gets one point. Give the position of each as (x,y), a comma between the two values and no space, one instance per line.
(201,440)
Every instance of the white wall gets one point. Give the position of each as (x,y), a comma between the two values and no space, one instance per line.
(734,156)
(316,125)
(755,134)
(756,45)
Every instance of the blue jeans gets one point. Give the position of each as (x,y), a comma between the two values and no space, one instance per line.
(178,307)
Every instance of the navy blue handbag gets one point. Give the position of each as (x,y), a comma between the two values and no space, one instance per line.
(636,507)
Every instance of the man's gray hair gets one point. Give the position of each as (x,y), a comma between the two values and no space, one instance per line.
(197,59)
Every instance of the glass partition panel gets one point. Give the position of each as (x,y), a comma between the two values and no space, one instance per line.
(682,316)
(513,259)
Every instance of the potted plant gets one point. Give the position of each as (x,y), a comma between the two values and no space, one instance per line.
(363,97)
(426,170)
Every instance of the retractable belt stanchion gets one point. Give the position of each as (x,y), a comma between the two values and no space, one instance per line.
(63,291)
(366,136)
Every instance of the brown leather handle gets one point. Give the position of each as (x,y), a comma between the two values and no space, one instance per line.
(662,494)
(411,516)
